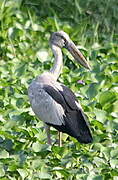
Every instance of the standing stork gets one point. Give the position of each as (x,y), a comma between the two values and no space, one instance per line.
(53,102)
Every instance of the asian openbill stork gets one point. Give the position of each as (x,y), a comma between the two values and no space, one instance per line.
(53,102)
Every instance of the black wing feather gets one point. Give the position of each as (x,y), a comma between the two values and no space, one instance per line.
(69,97)
(75,121)
(56,95)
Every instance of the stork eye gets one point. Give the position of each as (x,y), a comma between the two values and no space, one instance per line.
(65,44)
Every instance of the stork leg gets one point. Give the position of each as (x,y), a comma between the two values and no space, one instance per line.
(47,128)
(60,139)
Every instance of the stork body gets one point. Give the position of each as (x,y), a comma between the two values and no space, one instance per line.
(53,102)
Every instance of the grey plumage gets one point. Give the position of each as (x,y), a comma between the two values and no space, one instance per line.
(53,102)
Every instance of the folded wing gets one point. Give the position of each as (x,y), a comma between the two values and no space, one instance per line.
(74,120)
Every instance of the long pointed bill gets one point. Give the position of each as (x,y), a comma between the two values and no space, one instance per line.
(77,55)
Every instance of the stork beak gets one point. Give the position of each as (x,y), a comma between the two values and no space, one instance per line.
(78,56)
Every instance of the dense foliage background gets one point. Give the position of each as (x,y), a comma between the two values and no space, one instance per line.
(25,28)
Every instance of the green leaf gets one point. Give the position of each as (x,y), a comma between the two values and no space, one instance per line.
(37,163)
(99,161)
(42,55)
(114,153)
(106,152)
(115,106)
(4,154)
(115,77)
(25,53)
(114,163)
(100,115)
(23,173)
(107,98)
(98,177)
(2,171)
(44,175)
(92,90)
(36,147)
(20,70)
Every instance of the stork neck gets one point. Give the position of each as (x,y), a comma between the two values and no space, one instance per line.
(58,63)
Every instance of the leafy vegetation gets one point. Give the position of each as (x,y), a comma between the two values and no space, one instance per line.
(25,28)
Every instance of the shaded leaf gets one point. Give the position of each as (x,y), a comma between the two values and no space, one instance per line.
(92,90)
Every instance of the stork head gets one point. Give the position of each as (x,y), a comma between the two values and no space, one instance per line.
(62,40)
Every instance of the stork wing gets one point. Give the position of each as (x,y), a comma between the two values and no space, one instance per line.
(75,123)
(44,106)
